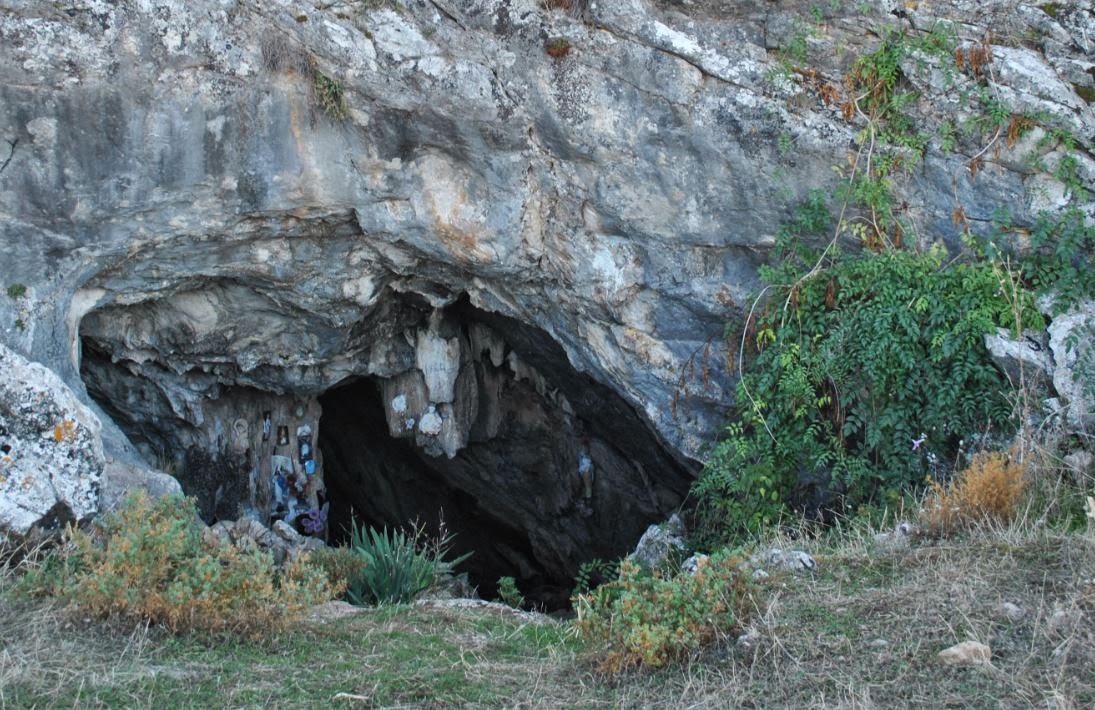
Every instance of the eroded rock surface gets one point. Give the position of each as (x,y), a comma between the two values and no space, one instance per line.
(619,197)
(212,210)
(51,456)
(1072,340)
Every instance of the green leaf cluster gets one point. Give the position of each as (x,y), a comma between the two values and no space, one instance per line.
(853,363)
(330,96)
(396,567)
(509,594)
(593,573)
(1062,258)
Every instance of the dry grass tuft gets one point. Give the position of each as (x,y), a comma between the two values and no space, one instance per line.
(281,54)
(988,491)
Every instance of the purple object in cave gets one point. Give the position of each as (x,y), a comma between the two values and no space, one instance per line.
(315,520)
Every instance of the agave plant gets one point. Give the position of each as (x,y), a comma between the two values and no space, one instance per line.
(396,568)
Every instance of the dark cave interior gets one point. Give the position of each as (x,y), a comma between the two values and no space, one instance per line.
(555,469)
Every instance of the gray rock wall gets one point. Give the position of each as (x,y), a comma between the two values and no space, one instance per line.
(173,173)
(51,456)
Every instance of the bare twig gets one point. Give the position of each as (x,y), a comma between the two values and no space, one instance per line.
(741,363)
(11,153)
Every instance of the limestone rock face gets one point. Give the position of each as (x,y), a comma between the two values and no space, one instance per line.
(1025,360)
(1072,340)
(52,456)
(177,177)
(215,210)
(121,479)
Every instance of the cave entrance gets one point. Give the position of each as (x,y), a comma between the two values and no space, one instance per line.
(422,413)
(534,466)
(381,481)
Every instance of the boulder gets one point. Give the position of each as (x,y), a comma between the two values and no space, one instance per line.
(248,534)
(694,563)
(1012,612)
(900,538)
(658,542)
(286,532)
(791,560)
(1072,342)
(1063,622)
(1081,464)
(121,479)
(51,455)
(750,639)
(216,536)
(1025,360)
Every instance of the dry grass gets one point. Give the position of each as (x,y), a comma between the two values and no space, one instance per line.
(281,54)
(866,630)
(862,632)
(988,491)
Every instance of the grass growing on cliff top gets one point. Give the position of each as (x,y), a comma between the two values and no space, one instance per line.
(864,631)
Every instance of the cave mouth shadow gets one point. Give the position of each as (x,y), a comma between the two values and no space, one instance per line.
(511,488)
(514,494)
(380,481)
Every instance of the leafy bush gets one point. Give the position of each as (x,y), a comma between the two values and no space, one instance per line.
(1061,265)
(741,491)
(148,561)
(648,619)
(1062,260)
(987,491)
(509,594)
(396,567)
(868,373)
(341,565)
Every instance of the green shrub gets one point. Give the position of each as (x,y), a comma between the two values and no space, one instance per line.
(396,567)
(645,618)
(341,565)
(1061,256)
(853,364)
(509,594)
(148,562)
(16,291)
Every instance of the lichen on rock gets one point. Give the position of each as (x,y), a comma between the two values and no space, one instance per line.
(52,455)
